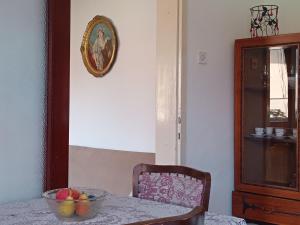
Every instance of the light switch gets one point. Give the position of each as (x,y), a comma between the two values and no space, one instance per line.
(202,57)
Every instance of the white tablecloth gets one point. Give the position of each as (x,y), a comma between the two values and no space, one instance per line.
(115,211)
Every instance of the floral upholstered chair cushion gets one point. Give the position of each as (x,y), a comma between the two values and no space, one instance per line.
(171,188)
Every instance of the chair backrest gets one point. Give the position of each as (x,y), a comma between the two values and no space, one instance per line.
(177,185)
(195,217)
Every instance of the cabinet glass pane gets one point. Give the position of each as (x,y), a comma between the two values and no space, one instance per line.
(269,116)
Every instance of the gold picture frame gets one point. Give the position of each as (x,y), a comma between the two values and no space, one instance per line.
(99,46)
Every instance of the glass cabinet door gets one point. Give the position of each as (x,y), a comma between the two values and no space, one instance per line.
(269,116)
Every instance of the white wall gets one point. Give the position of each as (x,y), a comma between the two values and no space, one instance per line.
(212,26)
(22,91)
(118,110)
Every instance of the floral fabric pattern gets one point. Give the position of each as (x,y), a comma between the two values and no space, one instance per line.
(171,188)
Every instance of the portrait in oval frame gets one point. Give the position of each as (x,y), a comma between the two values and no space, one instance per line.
(99,46)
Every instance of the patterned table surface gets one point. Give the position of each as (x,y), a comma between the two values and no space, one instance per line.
(116,210)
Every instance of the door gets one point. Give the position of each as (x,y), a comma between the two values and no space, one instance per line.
(168,90)
(269,147)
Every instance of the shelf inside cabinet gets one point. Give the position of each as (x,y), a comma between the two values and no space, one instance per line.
(271,139)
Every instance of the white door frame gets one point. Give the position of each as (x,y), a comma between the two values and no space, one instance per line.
(168,89)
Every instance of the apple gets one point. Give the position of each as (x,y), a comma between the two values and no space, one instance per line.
(75,193)
(83,205)
(67,207)
(62,194)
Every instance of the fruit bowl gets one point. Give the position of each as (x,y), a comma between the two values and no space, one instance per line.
(74,204)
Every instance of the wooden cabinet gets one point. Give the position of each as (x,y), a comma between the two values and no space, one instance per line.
(266,129)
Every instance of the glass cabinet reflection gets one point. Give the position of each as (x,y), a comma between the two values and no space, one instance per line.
(269,112)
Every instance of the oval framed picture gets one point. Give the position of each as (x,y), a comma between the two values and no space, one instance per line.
(99,46)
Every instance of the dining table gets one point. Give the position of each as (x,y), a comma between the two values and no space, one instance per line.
(114,210)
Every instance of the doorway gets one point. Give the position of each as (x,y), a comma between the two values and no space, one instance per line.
(106,79)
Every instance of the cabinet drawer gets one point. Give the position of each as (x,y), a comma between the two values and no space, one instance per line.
(266,209)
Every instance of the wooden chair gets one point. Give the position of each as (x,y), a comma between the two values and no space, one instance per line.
(195,217)
(177,185)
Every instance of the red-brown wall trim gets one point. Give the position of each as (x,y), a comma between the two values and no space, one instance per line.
(58,82)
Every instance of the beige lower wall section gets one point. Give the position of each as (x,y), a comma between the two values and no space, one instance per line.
(110,170)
